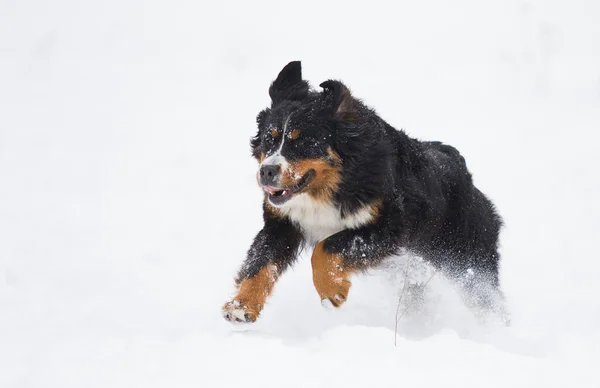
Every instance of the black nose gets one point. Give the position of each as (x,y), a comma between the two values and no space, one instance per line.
(269,173)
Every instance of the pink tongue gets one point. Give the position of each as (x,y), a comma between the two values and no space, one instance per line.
(272,190)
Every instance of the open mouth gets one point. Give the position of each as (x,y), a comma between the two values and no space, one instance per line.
(279,195)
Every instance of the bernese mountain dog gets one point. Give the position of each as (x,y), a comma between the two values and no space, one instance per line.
(338,178)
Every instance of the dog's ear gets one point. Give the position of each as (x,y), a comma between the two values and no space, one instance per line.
(255,140)
(343,105)
(262,117)
(289,84)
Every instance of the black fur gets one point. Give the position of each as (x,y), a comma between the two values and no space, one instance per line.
(429,204)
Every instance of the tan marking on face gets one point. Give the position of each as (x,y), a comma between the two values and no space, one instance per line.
(330,277)
(272,210)
(326,180)
(260,159)
(274,132)
(294,134)
(253,292)
(335,158)
(374,209)
(258,156)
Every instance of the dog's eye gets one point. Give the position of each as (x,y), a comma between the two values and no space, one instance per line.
(274,132)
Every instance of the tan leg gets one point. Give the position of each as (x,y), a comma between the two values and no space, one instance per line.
(330,277)
(251,296)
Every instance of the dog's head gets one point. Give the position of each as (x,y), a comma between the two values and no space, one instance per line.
(297,137)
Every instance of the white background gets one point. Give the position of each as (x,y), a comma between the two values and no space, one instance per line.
(128,200)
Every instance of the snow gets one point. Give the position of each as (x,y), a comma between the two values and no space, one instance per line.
(128,196)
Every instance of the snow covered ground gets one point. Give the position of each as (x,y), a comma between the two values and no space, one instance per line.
(127,194)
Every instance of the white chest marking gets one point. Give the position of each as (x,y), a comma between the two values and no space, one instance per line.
(319,221)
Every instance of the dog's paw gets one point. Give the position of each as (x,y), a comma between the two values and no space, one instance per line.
(332,284)
(330,277)
(335,295)
(237,312)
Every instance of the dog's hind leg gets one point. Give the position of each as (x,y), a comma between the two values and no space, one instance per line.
(479,288)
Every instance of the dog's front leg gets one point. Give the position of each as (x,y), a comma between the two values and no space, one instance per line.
(336,258)
(274,248)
